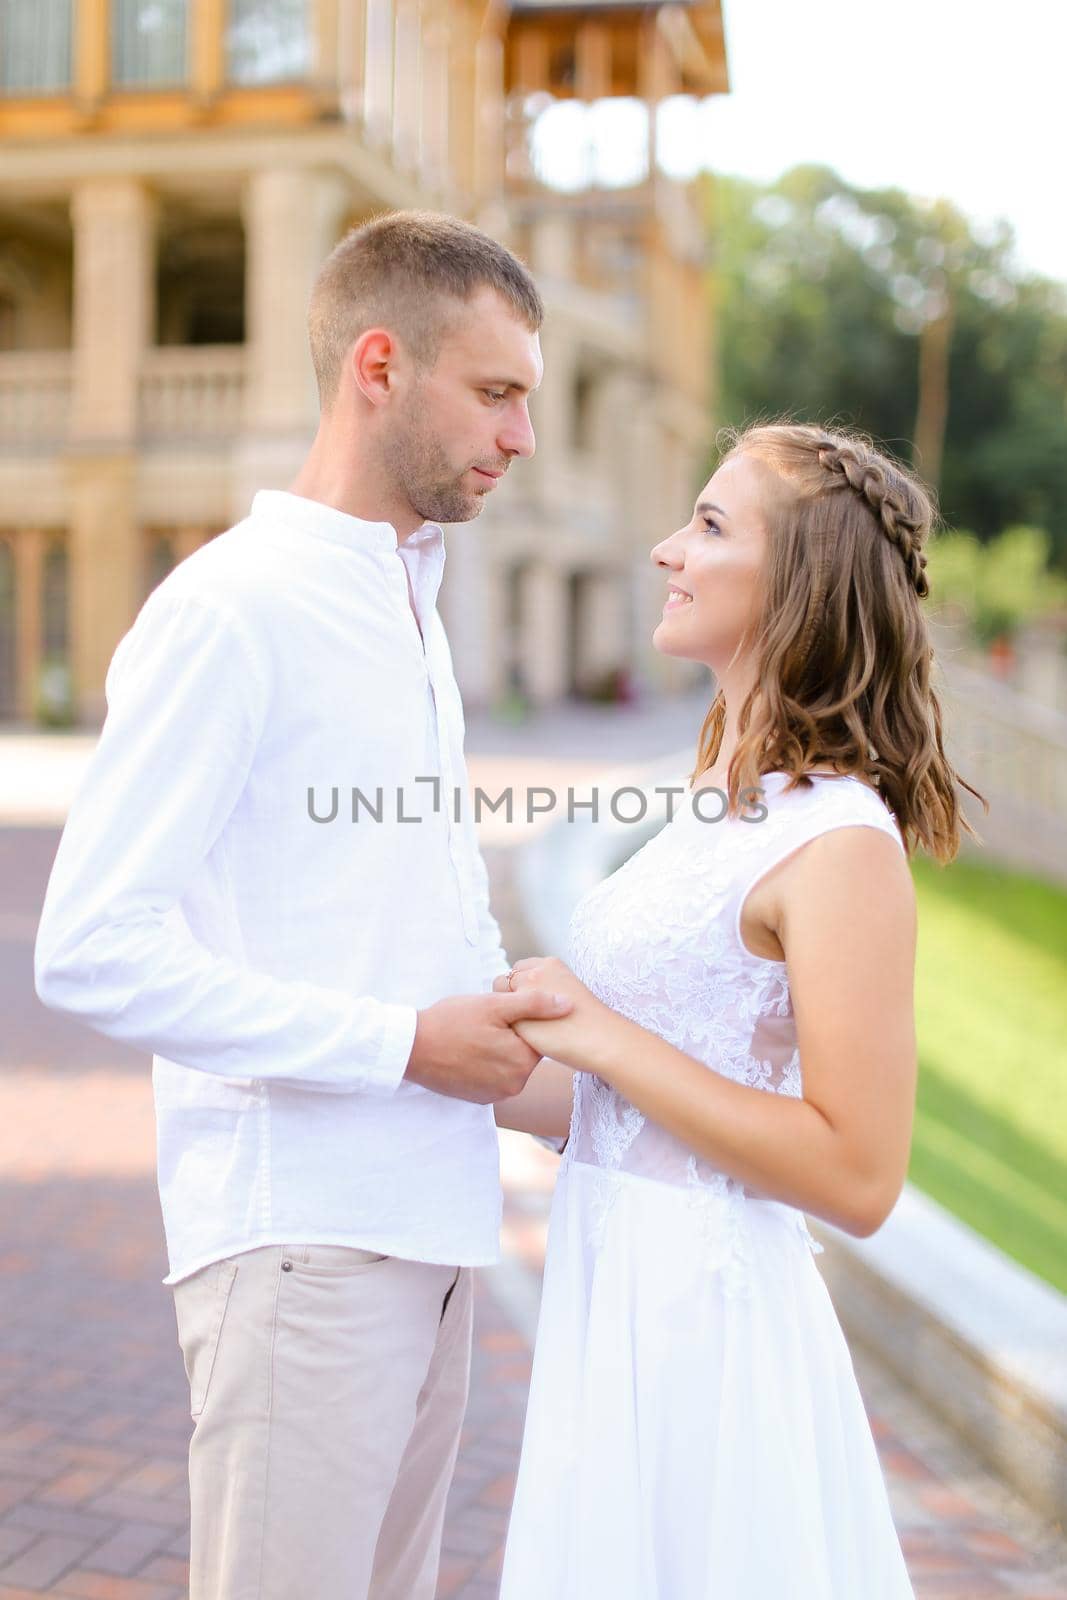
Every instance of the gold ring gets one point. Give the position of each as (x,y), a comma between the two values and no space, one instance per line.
(511,977)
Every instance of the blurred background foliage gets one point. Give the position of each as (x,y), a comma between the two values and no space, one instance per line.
(998,586)
(899,316)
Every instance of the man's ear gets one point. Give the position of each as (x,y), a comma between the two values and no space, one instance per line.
(372,362)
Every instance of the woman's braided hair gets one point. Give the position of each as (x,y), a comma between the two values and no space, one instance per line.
(844,662)
(904,523)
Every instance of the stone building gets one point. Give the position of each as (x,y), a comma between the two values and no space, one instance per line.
(172,172)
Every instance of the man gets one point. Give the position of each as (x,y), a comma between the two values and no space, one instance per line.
(240,888)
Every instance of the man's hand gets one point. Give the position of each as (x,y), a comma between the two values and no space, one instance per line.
(584,1039)
(466,1046)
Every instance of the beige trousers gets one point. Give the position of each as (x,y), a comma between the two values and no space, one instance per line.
(327,1387)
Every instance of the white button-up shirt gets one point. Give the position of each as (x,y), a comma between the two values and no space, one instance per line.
(222,898)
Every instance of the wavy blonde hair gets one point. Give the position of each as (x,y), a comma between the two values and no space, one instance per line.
(844,658)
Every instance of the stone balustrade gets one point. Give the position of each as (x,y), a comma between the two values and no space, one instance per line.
(192,393)
(1014,750)
(35,391)
(183,393)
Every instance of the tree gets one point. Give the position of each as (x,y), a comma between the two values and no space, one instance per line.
(898,316)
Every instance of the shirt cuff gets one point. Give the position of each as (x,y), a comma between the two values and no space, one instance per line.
(395,1053)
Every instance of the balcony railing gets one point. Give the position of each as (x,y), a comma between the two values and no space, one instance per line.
(192,392)
(185,393)
(34,400)
(1014,750)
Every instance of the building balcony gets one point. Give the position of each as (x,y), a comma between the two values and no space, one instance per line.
(193,394)
(80,73)
(109,62)
(35,391)
(185,394)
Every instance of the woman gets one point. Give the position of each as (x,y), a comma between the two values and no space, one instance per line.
(694,1429)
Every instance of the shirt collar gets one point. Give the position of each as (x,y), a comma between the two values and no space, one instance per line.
(326,522)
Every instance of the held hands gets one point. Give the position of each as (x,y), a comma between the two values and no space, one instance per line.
(579,1039)
(468,1046)
(484,1047)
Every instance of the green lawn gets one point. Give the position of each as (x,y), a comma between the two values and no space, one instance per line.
(990,1141)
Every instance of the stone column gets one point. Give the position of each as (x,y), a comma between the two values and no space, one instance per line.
(552,407)
(327,66)
(461,69)
(615,402)
(434,101)
(544,622)
(407,86)
(293,218)
(378,73)
(114,305)
(114,222)
(352,58)
(650,515)
(487,169)
(552,415)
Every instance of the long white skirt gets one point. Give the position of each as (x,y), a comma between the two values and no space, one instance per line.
(695,1430)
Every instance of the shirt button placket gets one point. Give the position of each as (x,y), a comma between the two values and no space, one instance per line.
(457,845)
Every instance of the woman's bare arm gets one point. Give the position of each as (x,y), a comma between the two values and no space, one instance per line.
(846,921)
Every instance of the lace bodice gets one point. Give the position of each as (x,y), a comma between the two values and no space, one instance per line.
(660,942)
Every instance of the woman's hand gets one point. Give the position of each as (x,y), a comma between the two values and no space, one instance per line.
(580,1039)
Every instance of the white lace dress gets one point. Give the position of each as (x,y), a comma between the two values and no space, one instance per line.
(694,1430)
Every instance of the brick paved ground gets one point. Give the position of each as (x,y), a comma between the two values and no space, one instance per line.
(93,1420)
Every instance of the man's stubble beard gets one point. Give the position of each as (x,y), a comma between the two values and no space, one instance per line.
(421,470)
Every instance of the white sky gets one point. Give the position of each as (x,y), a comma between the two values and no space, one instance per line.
(960,98)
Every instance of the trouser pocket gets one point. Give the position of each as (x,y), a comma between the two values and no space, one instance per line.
(329,1260)
(200,1303)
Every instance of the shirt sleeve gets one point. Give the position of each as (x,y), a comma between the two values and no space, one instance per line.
(188,695)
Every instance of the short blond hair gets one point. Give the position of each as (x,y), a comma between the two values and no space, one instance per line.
(408,271)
